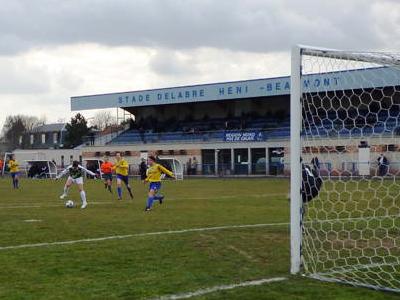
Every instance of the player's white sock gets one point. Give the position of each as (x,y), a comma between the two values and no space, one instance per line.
(83,198)
(65,194)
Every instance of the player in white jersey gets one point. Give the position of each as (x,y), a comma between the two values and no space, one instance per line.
(76,172)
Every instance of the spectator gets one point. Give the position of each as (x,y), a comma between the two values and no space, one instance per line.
(1,166)
(92,138)
(189,166)
(281,165)
(194,166)
(131,124)
(141,132)
(383,165)
(143,170)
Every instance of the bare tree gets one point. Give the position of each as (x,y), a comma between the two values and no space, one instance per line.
(17,126)
(32,122)
(103,119)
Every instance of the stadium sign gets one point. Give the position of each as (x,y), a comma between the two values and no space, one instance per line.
(248,136)
(356,79)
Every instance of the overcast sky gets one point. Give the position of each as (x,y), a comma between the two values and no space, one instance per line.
(51,50)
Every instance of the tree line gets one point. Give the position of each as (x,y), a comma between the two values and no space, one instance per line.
(17,127)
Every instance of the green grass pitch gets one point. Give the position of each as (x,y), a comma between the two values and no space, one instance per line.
(150,266)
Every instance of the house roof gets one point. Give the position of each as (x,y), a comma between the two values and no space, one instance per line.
(55,127)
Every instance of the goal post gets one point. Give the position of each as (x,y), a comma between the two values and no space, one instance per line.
(295,166)
(345,218)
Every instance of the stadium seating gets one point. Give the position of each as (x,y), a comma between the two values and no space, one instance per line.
(194,131)
(385,122)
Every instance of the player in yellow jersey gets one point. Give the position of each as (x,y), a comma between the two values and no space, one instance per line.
(154,175)
(121,168)
(14,171)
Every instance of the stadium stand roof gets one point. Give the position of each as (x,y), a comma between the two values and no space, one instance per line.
(372,77)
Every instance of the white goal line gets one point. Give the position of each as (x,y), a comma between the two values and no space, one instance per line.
(120,237)
(219,288)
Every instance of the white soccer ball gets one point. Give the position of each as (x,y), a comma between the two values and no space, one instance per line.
(69,204)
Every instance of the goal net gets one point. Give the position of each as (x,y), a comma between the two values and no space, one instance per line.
(345,167)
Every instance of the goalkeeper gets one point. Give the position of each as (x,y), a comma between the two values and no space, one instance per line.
(311,183)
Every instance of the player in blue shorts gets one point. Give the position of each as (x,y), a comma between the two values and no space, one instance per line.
(154,175)
(121,168)
(13,165)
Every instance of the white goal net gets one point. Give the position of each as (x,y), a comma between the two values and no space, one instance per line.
(345,119)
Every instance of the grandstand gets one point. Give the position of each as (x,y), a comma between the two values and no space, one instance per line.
(243,128)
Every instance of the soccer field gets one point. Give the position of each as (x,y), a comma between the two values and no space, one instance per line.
(201,238)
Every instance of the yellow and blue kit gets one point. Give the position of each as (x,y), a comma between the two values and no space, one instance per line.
(14,170)
(154,174)
(13,166)
(121,168)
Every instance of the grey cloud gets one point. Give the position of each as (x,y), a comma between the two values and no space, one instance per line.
(18,78)
(170,63)
(11,44)
(254,25)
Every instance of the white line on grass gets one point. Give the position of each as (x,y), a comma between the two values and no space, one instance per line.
(219,288)
(49,205)
(120,237)
(29,205)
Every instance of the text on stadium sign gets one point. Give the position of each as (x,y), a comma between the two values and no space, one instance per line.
(252,136)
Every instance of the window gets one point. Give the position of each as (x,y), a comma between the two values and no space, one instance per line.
(20,140)
(32,139)
(43,138)
(55,137)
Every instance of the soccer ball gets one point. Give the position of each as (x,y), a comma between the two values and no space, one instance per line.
(69,204)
